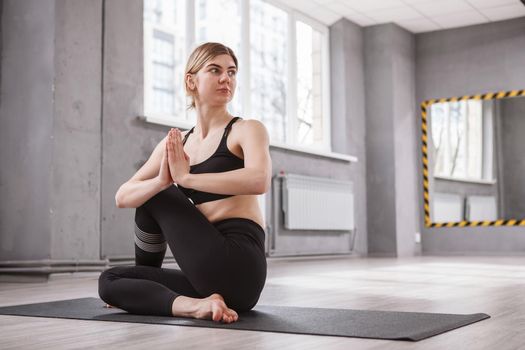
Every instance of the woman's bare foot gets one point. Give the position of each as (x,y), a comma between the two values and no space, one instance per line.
(212,307)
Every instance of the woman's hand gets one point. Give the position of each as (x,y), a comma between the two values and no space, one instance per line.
(178,160)
(164,176)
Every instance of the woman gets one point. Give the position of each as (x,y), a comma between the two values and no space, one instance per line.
(207,211)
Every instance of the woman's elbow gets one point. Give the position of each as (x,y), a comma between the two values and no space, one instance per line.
(119,200)
(263,184)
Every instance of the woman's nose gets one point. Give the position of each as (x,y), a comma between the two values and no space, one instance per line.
(224,77)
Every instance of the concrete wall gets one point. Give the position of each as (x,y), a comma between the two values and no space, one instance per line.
(26,146)
(126,142)
(390,141)
(50,131)
(466,61)
(75,172)
(513,161)
(1,31)
(348,115)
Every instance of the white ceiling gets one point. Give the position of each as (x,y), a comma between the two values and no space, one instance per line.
(416,16)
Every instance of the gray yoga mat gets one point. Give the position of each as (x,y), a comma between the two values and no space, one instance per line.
(284,319)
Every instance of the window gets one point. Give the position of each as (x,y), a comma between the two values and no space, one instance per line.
(309,85)
(283,64)
(269,62)
(164,54)
(461,134)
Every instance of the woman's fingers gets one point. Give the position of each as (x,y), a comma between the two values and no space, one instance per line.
(170,144)
(175,144)
(181,146)
(178,144)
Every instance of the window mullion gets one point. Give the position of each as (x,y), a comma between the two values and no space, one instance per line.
(147,69)
(467,140)
(190,26)
(325,90)
(190,43)
(291,105)
(245,49)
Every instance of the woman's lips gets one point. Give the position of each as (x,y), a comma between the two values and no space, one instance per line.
(223,90)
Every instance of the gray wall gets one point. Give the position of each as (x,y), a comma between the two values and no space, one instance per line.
(50,131)
(348,115)
(390,141)
(75,171)
(126,142)
(467,61)
(513,157)
(27,125)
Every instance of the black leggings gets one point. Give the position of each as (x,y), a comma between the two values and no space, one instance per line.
(225,257)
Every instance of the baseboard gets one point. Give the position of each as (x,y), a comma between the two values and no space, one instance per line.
(292,256)
(381,255)
(474,254)
(39,270)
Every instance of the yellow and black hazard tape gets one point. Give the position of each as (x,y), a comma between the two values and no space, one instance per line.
(424,138)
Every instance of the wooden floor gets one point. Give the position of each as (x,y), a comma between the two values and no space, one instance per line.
(492,285)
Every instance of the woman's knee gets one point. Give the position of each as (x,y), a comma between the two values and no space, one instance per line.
(104,283)
(166,198)
(145,221)
(242,303)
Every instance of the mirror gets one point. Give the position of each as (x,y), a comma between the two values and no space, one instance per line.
(473,160)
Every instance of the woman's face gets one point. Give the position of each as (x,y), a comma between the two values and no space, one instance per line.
(215,83)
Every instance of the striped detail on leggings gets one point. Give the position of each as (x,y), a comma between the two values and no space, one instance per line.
(149,242)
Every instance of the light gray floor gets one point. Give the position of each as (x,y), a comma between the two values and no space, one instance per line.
(492,285)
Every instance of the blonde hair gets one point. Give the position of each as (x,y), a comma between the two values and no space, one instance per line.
(199,57)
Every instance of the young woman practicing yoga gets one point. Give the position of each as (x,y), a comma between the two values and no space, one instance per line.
(206,212)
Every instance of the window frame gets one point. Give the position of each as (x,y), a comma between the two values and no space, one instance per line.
(291,99)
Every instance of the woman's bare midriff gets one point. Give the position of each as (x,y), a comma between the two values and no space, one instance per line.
(237,206)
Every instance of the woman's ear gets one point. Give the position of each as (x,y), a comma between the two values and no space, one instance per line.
(190,81)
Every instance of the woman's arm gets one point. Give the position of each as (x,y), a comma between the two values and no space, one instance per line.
(254,178)
(145,183)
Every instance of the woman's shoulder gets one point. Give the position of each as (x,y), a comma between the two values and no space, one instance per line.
(252,128)
(250,124)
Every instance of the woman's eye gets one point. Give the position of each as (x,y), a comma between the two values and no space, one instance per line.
(232,72)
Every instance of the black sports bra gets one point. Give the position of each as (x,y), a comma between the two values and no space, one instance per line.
(220,161)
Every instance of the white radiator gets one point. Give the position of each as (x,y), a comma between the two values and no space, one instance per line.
(313,203)
(447,207)
(481,208)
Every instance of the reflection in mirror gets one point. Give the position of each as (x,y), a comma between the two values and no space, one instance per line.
(475,151)
(458,130)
